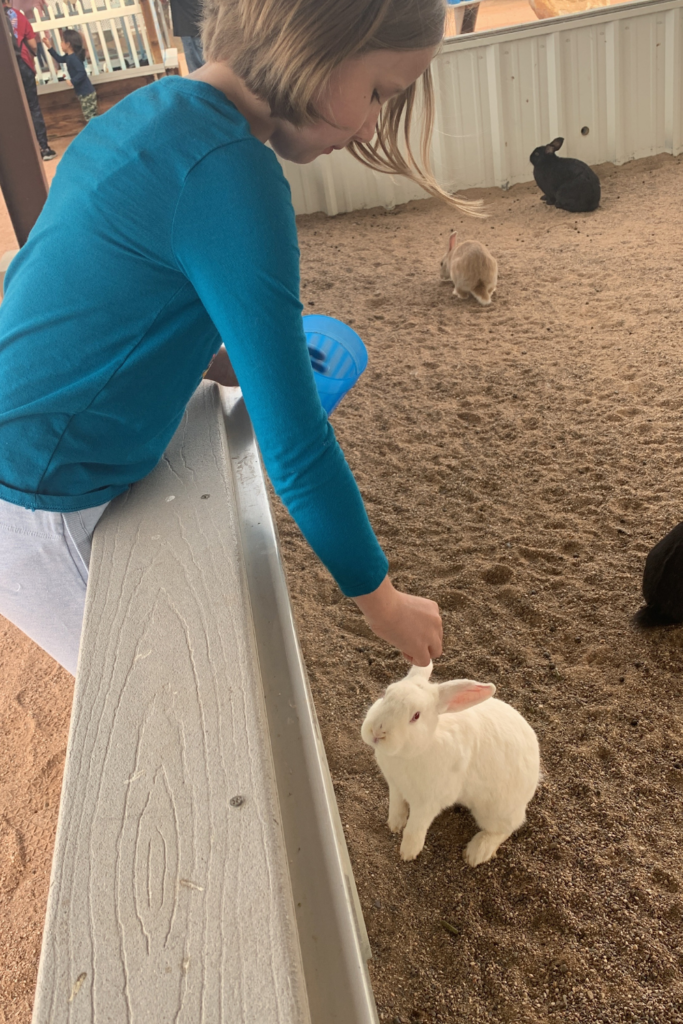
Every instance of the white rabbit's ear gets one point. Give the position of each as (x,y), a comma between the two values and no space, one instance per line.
(424,671)
(460,694)
(452,240)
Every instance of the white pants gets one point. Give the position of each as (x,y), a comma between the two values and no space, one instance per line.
(44,559)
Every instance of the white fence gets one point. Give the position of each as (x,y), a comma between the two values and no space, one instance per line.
(113,31)
(617,72)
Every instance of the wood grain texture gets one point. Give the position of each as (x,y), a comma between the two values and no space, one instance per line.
(167,904)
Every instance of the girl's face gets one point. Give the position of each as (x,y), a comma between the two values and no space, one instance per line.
(352,101)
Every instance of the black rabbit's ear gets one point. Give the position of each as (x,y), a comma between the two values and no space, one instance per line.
(553,146)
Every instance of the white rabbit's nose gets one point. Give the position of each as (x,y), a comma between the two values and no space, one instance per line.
(377,736)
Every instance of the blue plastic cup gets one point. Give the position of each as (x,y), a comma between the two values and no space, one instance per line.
(338,357)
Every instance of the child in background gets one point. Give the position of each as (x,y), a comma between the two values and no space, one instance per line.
(73,55)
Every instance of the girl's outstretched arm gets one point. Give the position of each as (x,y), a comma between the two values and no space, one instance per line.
(238,247)
(234,237)
(61,58)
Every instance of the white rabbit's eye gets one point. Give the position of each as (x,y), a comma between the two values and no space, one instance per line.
(415,716)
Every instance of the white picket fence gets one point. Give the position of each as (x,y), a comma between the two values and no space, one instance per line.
(113,32)
(610,81)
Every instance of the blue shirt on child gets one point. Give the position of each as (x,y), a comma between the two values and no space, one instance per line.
(168,228)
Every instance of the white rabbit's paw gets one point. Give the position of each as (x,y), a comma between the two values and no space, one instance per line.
(482,848)
(411,846)
(397,819)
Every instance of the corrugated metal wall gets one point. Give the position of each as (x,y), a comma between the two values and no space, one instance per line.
(617,72)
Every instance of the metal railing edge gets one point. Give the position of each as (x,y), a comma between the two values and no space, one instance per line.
(298,753)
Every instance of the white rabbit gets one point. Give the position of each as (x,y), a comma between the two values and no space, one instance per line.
(471,268)
(447,743)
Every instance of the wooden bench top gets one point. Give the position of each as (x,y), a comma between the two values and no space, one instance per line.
(175,877)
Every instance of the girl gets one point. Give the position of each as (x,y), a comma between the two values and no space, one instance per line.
(73,56)
(185,238)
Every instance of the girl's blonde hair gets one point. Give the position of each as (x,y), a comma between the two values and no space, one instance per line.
(286,50)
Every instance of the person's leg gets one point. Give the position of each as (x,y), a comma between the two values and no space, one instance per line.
(88,106)
(44,559)
(192,46)
(42,55)
(31,90)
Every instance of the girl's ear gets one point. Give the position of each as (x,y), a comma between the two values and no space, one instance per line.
(452,240)
(460,694)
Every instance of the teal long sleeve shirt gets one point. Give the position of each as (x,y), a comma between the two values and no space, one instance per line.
(168,229)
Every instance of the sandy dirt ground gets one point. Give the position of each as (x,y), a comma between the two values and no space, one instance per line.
(35,704)
(517,462)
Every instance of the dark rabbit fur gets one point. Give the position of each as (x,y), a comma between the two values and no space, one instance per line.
(663,576)
(566,183)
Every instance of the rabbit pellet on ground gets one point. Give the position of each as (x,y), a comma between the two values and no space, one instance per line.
(438,744)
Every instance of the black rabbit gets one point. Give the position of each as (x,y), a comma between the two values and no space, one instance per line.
(663,577)
(566,183)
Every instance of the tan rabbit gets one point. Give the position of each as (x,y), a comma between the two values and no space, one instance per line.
(471,268)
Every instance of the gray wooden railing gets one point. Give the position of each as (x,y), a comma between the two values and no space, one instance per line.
(200,871)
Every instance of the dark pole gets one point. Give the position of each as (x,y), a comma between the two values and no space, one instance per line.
(22,177)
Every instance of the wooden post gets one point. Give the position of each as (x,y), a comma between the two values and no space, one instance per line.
(469,18)
(154,44)
(22,177)
(460,19)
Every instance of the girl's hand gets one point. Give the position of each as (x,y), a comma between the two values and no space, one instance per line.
(412,624)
